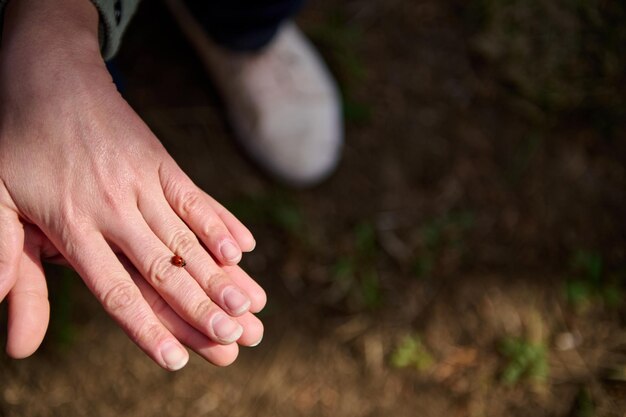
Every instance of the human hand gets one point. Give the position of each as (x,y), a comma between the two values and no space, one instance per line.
(29,307)
(77,162)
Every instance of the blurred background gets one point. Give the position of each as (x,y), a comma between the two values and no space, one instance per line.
(467,259)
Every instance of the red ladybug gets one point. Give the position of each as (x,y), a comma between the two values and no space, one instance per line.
(178,261)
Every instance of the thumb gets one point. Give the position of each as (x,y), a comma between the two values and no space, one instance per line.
(29,309)
(11,247)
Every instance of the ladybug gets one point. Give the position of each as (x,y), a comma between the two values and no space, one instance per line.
(178,261)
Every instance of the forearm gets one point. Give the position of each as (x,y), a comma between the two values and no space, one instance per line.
(49,46)
(50,27)
(115,15)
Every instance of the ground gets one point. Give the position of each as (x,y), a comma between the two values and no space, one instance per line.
(467,259)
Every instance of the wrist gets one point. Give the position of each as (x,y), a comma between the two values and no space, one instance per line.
(41,28)
(50,47)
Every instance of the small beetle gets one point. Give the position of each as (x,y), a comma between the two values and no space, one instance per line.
(178,261)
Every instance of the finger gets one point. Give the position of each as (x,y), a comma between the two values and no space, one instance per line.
(220,355)
(241,233)
(11,246)
(194,208)
(112,285)
(253,330)
(29,309)
(256,294)
(171,230)
(177,287)
(217,354)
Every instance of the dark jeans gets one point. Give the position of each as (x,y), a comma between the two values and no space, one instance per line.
(243,25)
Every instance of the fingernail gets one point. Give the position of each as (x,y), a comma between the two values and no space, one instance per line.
(227,330)
(175,357)
(257,343)
(236,301)
(230,252)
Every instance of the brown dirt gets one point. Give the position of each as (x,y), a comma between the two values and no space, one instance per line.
(453,216)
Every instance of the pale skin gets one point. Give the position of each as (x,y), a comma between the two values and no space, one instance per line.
(83,180)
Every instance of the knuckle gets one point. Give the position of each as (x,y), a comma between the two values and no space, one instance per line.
(36,295)
(149,331)
(71,227)
(191,202)
(203,308)
(112,200)
(213,279)
(211,230)
(120,297)
(183,241)
(159,306)
(67,236)
(158,270)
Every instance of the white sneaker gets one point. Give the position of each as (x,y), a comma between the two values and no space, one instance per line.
(281,100)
